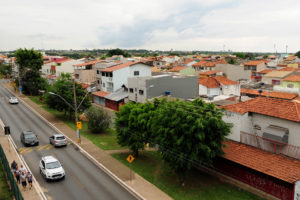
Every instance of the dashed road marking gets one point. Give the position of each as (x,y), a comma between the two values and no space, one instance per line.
(78,182)
(24,150)
(43,147)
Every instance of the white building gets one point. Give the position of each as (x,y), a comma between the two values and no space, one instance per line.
(267,123)
(113,78)
(218,85)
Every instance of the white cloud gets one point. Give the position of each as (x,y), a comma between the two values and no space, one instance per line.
(240,25)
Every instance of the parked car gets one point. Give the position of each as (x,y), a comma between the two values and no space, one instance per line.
(58,140)
(13,100)
(51,168)
(29,138)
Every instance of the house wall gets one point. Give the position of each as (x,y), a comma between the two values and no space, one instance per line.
(261,67)
(179,87)
(67,67)
(296,84)
(144,70)
(231,89)
(268,80)
(234,72)
(213,91)
(188,71)
(86,76)
(202,90)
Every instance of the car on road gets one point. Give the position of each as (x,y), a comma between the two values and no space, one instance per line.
(29,138)
(58,140)
(51,168)
(13,100)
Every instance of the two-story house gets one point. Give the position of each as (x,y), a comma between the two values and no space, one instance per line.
(255,65)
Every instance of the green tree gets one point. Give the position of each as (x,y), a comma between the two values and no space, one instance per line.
(297,54)
(5,69)
(29,59)
(133,123)
(63,87)
(117,51)
(98,119)
(30,62)
(231,61)
(189,133)
(240,55)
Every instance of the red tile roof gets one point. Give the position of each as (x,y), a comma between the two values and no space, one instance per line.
(188,61)
(265,71)
(62,61)
(295,78)
(176,69)
(278,166)
(254,62)
(280,95)
(211,72)
(101,93)
(215,82)
(117,67)
(209,82)
(280,108)
(289,69)
(84,85)
(297,99)
(88,63)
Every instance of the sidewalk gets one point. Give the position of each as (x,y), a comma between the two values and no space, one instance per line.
(12,155)
(136,182)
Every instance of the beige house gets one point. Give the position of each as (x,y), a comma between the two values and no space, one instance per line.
(275,77)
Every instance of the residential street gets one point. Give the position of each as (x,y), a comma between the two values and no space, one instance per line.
(84,180)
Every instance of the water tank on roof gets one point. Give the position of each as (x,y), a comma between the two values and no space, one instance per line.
(167,93)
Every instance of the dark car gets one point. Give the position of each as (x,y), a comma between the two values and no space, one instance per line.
(29,138)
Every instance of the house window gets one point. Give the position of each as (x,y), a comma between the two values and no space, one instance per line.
(136,73)
(103,73)
(98,72)
(275,82)
(141,92)
(98,82)
(131,90)
(290,85)
(103,84)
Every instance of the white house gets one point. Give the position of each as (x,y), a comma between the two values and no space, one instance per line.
(218,85)
(267,123)
(113,78)
(66,66)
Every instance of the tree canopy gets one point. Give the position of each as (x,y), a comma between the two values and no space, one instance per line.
(29,59)
(63,87)
(297,54)
(117,51)
(98,119)
(187,133)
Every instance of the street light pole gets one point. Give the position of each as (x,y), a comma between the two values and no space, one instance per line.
(75,106)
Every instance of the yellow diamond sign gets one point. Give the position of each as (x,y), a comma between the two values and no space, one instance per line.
(130,158)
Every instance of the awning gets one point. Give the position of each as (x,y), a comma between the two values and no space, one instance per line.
(276,134)
(118,95)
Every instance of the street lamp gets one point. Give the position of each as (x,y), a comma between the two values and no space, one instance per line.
(75,108)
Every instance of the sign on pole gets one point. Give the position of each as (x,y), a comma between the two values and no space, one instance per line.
(79,125)
(130,158)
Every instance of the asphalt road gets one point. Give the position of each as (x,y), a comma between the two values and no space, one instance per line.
(83,179)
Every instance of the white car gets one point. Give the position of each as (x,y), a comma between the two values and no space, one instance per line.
(13,100)
(51,168)
(58,140)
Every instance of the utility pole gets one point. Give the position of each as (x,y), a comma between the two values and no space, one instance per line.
(19,74)
(75,106)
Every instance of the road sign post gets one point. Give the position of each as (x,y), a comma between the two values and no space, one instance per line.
(130,159)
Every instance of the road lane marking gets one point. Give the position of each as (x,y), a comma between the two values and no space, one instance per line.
(24,150)
(42,147)
(78,182)
(49,147)
(30,150)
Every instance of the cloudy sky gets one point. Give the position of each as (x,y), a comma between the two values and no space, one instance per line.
(237,25)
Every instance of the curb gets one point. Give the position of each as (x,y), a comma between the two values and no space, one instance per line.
(36,183)
(86,154)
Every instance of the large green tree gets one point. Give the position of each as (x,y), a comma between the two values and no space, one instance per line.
(133,125)
(5,70)
(98,119)
(30,62)
(297,54)
(63,87)
(187,133)
(117,51)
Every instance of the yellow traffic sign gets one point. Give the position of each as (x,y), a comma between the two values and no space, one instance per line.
(79,125)
(130,158)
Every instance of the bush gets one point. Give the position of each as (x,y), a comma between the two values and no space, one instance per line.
(98,119)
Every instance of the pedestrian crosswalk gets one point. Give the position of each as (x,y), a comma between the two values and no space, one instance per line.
(25,150)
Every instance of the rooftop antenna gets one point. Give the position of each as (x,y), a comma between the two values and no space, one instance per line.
(275,49)
(286,47)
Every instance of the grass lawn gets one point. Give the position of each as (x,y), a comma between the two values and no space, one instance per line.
(5,192)
(198,185)
(106,141)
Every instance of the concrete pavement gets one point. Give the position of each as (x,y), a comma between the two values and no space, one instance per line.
(136,182)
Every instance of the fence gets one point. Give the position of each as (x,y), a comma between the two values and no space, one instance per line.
(13,184)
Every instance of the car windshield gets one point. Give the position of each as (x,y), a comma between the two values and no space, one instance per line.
(60,137)
(13,98)
(53,165)
(29,136)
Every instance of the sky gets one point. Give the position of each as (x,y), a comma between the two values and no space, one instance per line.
(208,25)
